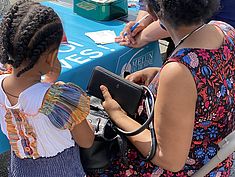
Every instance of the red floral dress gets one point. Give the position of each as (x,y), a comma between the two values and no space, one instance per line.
(214,75)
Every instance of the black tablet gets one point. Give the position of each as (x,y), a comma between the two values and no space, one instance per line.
(126,93)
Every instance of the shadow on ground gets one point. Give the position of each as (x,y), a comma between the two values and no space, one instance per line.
(4,160)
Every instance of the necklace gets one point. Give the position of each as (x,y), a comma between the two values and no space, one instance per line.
(189,34)
(8,92)
(12,94)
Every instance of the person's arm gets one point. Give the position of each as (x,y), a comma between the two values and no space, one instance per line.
(152,32)
(141,14)
(127,29)
(83,134)
(144,76)
(173,118)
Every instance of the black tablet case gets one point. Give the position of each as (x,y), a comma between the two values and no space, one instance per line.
(126,93)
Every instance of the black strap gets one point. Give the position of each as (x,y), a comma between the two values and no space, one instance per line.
(149,96)
(149,104)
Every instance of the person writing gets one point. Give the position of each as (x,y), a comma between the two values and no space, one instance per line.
(194,91)
(42,120)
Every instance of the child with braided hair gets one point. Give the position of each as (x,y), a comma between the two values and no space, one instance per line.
(42,120)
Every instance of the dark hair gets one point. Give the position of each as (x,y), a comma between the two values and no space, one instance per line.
(27,30)
(185,12)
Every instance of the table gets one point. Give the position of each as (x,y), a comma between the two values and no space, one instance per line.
(81,55)
(4,143)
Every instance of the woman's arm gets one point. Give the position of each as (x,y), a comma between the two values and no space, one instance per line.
(144,76)
(152,32)
(173,116)
(132,34)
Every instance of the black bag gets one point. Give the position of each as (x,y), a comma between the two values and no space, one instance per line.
(108,144)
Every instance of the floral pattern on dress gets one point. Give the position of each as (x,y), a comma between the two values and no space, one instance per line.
(214,75)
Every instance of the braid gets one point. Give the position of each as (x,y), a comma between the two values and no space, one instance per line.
(39,43)
(28,30)
(8,20)
(30,66)
(9,24)
(3,53)
(34,21)
(6,30)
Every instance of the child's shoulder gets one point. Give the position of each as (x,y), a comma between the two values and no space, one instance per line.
(65,105)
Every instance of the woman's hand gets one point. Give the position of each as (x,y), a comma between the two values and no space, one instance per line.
(132,38)
(129,38)
(150,33)
(137,41)
(143,77)
(110,105)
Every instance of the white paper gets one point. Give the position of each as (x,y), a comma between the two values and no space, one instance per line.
(102,37)
(104,1)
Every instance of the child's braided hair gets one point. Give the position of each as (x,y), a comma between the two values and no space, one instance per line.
(27,30)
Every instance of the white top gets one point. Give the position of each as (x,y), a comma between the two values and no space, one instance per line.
(31,132)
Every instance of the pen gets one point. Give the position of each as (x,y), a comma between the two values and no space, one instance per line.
(137,24)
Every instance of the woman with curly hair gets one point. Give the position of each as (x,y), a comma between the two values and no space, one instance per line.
(194,91)
(42,120)
(149,30)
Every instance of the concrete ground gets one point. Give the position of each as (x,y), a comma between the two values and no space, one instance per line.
(4,159)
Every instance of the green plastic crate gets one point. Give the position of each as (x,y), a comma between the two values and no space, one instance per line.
(108,10)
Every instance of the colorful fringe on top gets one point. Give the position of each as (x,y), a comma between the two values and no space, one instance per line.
(65,105)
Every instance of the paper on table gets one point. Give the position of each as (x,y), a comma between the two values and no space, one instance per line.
(102,37)
(104,1)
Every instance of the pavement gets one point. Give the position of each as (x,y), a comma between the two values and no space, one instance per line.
(4,160)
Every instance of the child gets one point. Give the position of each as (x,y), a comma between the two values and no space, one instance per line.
(42,120)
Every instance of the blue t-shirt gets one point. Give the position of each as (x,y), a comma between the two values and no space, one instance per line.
(226,13)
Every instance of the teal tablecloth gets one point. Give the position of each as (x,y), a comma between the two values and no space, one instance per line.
(4,143)
(82,54)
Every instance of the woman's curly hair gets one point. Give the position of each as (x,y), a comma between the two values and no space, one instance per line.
(27,30)
(185,12)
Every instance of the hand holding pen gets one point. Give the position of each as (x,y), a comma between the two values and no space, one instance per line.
(136,24)
(127,36)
